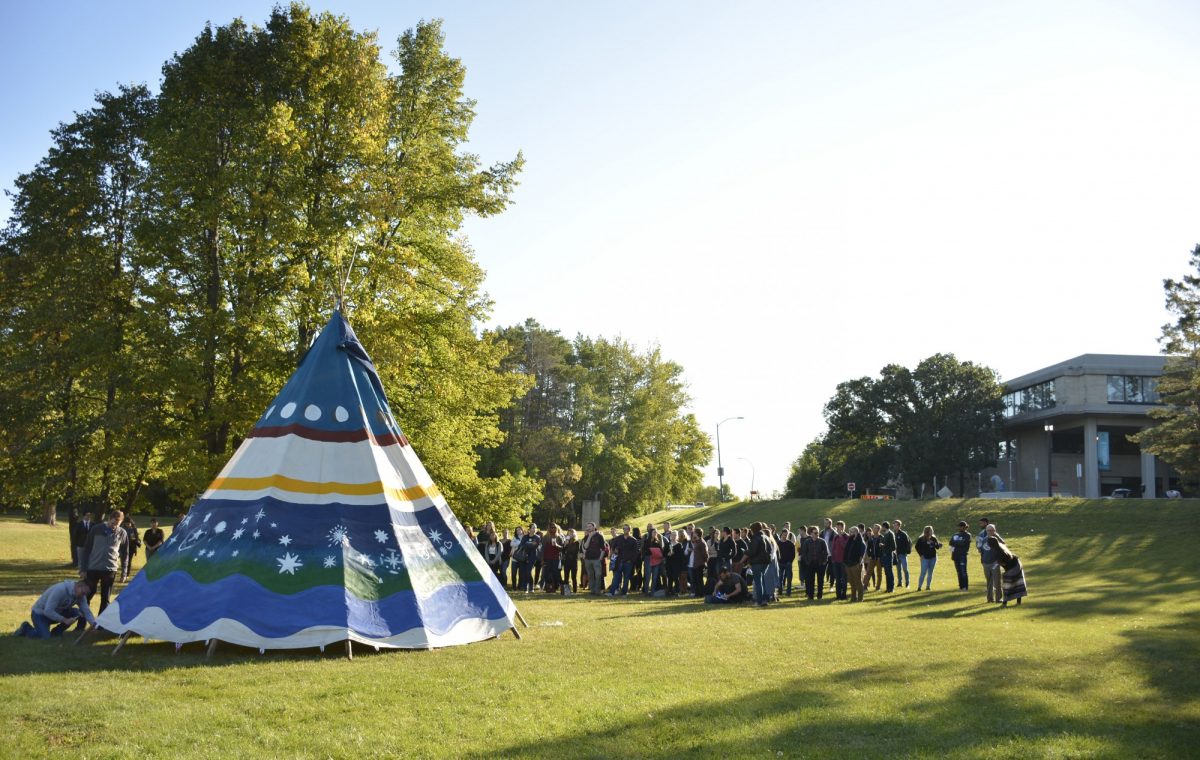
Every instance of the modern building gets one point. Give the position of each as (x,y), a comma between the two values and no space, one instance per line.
(1068,428)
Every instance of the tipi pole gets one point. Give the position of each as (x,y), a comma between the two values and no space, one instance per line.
(522,617)
(349,650)
(124,637)
(516,632)
(212,647)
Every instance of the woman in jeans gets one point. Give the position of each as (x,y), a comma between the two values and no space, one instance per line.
(927,547)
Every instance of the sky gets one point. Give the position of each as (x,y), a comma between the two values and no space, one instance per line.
(779,195)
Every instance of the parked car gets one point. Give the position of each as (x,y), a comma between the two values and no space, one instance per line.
(1122,493)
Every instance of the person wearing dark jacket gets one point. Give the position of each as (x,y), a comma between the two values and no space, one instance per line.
(887,555)
(856,551)
(697,562)
(787,557)
(570,562)
(837,558)
(927,548)
(79,538)
(903,549)
(960,546)
(759,557)
(816,555)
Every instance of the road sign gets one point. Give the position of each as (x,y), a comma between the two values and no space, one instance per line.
(850,487)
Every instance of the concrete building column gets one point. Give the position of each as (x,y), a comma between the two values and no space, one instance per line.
(1091,463)
(1148,472)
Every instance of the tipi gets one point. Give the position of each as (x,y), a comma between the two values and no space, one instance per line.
(323,527)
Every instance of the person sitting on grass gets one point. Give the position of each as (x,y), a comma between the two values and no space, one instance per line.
(63,603)
(730,588)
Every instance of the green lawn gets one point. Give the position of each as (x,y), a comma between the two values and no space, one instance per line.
(1103,660)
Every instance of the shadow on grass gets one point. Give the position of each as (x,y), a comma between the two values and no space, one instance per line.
(1002,708)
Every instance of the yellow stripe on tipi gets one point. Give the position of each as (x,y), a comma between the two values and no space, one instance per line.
(284,483)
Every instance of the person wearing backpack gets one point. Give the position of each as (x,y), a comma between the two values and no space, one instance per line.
(903,549)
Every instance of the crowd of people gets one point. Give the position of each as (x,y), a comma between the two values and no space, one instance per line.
(759,563)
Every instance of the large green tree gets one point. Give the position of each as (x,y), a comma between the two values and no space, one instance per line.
(1176,436)
(941,419)
(280,170)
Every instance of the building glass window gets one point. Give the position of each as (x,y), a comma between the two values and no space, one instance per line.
(1132,389)
(1031,399)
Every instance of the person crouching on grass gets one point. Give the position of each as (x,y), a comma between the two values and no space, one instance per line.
(61,604)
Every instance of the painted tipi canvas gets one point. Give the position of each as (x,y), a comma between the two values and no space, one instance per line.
(323,527)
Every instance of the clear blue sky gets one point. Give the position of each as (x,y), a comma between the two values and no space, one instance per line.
(782,195)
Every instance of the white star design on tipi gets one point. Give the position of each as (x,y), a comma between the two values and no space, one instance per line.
(285,540)
(261,514)
(255,534)
(434,535)
(288,564)
(381,537)
(337,535)
(245,520)
(235,552)
(238,534)
(330,562)
(273,525)
(186,519)
(392,560)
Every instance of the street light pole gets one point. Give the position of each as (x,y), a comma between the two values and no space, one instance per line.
(720,469)
(1049,460)
(747,461)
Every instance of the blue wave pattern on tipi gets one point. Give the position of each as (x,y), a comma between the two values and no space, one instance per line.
(323,526)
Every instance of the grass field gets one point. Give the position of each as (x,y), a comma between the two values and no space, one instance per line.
(1103,660)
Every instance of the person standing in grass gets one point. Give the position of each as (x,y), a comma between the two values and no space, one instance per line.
(903,549)
(815,558)
(493,554)
(771,579)
(79,537)
(759,557)
(927,547)
(990,554)
(552,544)
(102,553)
(887,554)
(593,557)
(828,533)
(981,546)
(517,556)
(1013,578)
(960,547)
(787,556)
(153,538)
(856,552)
(837,559)
(697,562)
(622,560)
(570,562)
(133,542)
(874,571)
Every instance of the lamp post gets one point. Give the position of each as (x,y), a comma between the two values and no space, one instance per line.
(720,469)
(747,461)
(1049,460)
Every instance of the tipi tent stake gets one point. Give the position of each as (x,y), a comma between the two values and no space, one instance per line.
(516,632)
(83,635)
(212,647)
(124,637)
(349,650)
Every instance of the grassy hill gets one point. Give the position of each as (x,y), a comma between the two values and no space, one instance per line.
(1103,660)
